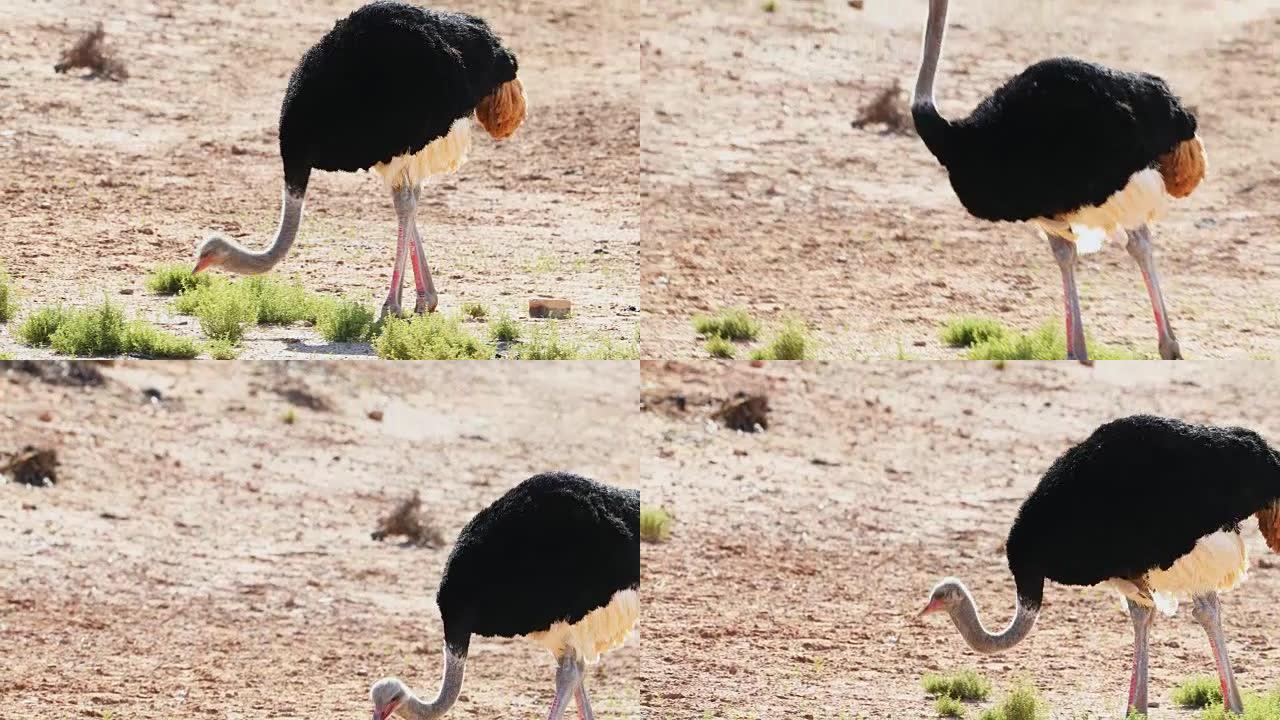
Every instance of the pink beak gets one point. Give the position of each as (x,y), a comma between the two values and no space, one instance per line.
(201,264)
(933,606)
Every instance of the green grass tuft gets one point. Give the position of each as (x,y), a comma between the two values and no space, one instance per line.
(718,347)
(97,332)
(41,325)
(8,298)
(225,312)
(791,343)
(769,6)
(146,340)
(962,685)
(221,350)
(280,303)
(5,357)
(504,329)
(730,324)
(1198,692)
(1256,707)
(290,417)
(174,280)
(345,321)
(476,311)
(970,331)
(1022,703)
(428,337)
(610,350)
(545,344)
(655,524)
(1045,343)
(947,706)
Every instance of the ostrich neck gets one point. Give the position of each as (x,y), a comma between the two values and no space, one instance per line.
(450,687)
(965,616)
(932,52)
(250,262)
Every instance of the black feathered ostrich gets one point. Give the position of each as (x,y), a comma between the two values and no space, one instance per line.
(1151,507)
(390,88)
(1068,145)
(555,560)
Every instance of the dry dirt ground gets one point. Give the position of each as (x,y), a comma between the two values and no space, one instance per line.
(800,555)
(759,193)
(201,558)
(102,181)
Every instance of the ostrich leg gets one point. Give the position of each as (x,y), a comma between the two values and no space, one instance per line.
(401,197)
(427,298)
(1142,618)
(1208,613)
(568,680)
(584,705)
(1064,251)
(1139,247)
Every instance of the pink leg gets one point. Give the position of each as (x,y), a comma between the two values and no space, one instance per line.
(584,705)
(392,305)
(1064,251)
(1142,618)
(1140,248)
(568,680)
(1208,613)
(427,298)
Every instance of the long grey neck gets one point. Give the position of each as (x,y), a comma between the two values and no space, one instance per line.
(965,616)
(414,709)
(933,31)
(249,262)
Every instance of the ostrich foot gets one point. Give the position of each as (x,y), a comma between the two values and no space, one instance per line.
(1169,349)
(390,309)
(426,303)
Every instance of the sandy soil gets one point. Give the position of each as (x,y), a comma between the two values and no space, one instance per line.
(759,193)
(104,180)
(199,558)
(801,554)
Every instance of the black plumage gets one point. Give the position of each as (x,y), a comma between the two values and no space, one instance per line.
(1061,135)
(386,81)
(1137,495)
(553,548)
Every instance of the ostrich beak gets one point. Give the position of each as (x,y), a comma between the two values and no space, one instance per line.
(201,264)
(933,606)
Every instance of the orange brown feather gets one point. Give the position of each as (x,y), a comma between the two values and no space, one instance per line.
(1183,167)
(1269,524)
(503,111)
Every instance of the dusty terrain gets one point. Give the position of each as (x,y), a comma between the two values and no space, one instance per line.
(201,558)
(800,555)
(759,193)
(104,180)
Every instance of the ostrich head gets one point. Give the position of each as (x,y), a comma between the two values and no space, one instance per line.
(213,252)
(387,695)
(218,251)
(947,594)
(952,596)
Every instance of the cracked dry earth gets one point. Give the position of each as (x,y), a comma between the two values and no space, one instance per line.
(102,181)
(760,194)
(201,558)
(800,555)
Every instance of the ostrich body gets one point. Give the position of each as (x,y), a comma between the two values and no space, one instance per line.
(555,560)
(391,88)
(1068,145)
(1149,506)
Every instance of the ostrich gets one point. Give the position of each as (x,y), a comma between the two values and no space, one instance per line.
(1068,145)
(555,560)
(1150,507)
(392,88)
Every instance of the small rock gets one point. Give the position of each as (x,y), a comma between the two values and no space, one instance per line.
(549,308)
(375,415)
(46,416)
(855,4)
(126,291)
